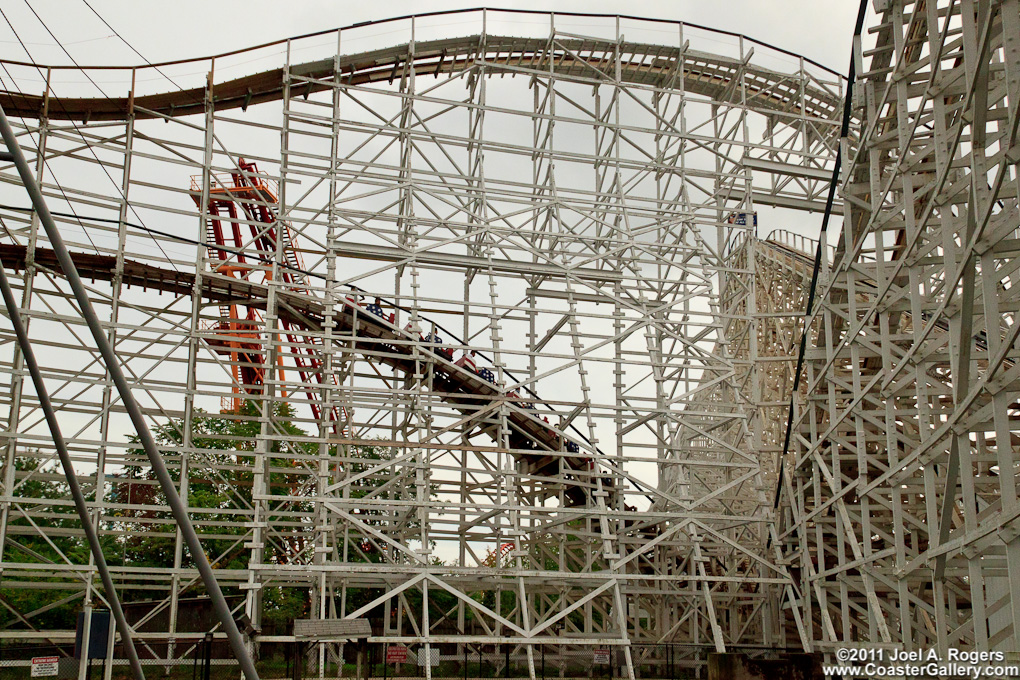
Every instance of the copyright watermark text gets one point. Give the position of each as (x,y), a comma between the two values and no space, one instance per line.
(872,662)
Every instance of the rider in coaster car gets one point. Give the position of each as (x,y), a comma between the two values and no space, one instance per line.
(434,338)
(376,307)
(467,361)
(410,329)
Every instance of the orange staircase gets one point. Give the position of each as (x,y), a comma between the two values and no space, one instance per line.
(248,198)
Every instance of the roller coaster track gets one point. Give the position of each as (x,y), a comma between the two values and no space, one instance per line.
(301,312)
(701,73)
(585,60)
(701,551)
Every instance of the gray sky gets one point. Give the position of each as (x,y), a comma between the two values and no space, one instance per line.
(183,29)
(161,31)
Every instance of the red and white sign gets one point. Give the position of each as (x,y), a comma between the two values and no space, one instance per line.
(44,666)
(396,654)
(602,656)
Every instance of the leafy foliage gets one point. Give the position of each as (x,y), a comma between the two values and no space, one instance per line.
(221,468)
(41,480)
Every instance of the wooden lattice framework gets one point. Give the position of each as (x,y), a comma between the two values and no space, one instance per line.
(576,204)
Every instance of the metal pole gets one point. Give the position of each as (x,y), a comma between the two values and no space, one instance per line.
(166,483)
(207,661)
(72,480)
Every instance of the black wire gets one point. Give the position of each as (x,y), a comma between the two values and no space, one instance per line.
(27,128)
(265,260)
(61,46)
(843,133)
(132,48)
(60,103)
(182,239)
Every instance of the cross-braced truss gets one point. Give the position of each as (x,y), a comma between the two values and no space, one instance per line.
(900,505)
(579,210)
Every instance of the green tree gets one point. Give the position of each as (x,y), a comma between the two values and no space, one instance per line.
(45,534)
(220,478)
(221,472)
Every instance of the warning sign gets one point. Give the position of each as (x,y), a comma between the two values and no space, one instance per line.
(44,666)
(602,656)
(396,654)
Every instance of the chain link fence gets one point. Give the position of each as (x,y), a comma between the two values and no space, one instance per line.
(193,659)
(203,659)
(672,661)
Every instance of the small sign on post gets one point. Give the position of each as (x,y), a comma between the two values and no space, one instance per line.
(99,635)
(602,656)
(337,629)
(44,666)
(396,654)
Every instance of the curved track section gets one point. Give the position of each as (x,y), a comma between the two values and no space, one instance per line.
(587,60)
(534,442)
(563,203)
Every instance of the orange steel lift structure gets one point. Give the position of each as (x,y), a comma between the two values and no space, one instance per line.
(576,196)
(248,194)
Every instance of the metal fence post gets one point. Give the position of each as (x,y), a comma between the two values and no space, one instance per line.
(130,404)
(207,662)
(28,355)
(299,660)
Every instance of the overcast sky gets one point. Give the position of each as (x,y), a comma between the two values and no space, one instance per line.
(181,29)
(819,29)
